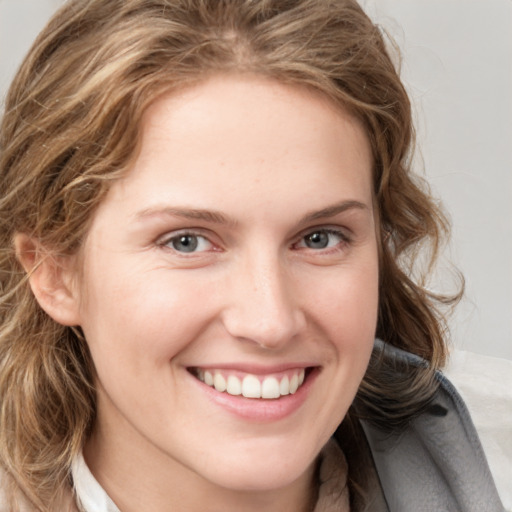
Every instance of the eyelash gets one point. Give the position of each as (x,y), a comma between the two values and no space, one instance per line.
(344,239)
(167,241)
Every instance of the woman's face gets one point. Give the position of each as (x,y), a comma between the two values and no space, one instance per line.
(238,251)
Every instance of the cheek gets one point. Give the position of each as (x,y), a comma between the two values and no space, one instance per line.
(347,305)
(345,313)
(138,317)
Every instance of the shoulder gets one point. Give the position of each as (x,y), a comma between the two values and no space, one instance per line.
(13,500)
(437,461)
(5,489)
(9,502)
(485,384)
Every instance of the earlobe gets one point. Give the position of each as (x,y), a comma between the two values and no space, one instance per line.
(50,278)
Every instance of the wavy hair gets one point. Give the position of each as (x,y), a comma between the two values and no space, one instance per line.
(71,128)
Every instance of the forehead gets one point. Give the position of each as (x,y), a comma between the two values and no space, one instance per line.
(241,117)
(237,136)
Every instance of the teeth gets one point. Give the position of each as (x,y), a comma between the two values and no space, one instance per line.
(208,378)
(234,386)
(251,386)
(219,382)
(294,384)
(270,388)
(284,387)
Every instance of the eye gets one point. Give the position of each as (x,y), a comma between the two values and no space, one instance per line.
(322,239)
(188,243)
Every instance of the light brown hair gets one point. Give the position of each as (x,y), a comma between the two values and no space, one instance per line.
(71,127)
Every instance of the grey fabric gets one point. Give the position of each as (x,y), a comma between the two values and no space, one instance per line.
(437,463)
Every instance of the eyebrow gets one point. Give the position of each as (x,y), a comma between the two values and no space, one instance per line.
(212,216)
(333,210)
(216,217)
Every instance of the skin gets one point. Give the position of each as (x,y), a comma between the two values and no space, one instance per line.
(276,164)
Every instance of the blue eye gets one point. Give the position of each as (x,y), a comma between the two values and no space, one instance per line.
(322,239)
(189,243)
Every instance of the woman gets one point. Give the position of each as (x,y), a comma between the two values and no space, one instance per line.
(207,217)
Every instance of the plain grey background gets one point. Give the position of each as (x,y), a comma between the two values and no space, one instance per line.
(457,65)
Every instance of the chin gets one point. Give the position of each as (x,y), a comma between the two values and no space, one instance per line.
(254,480)
(258,469)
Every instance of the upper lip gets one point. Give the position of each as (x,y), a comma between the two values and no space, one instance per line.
(255,369)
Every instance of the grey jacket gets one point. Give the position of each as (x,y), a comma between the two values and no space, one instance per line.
(437,464)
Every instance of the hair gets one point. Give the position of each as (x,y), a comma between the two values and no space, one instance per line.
(71,128)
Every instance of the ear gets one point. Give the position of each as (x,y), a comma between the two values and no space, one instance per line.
(51,278)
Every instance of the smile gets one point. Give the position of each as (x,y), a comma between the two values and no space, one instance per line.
(252,386)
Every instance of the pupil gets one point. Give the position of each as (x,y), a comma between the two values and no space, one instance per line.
(185,243)
(318,240)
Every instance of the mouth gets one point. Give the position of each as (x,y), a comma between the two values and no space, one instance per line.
(267,387)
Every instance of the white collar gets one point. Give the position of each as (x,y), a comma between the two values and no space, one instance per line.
(90,495)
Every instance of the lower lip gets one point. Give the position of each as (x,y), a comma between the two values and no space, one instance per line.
(258,409)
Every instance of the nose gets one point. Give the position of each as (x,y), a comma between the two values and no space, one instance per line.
(262,305)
